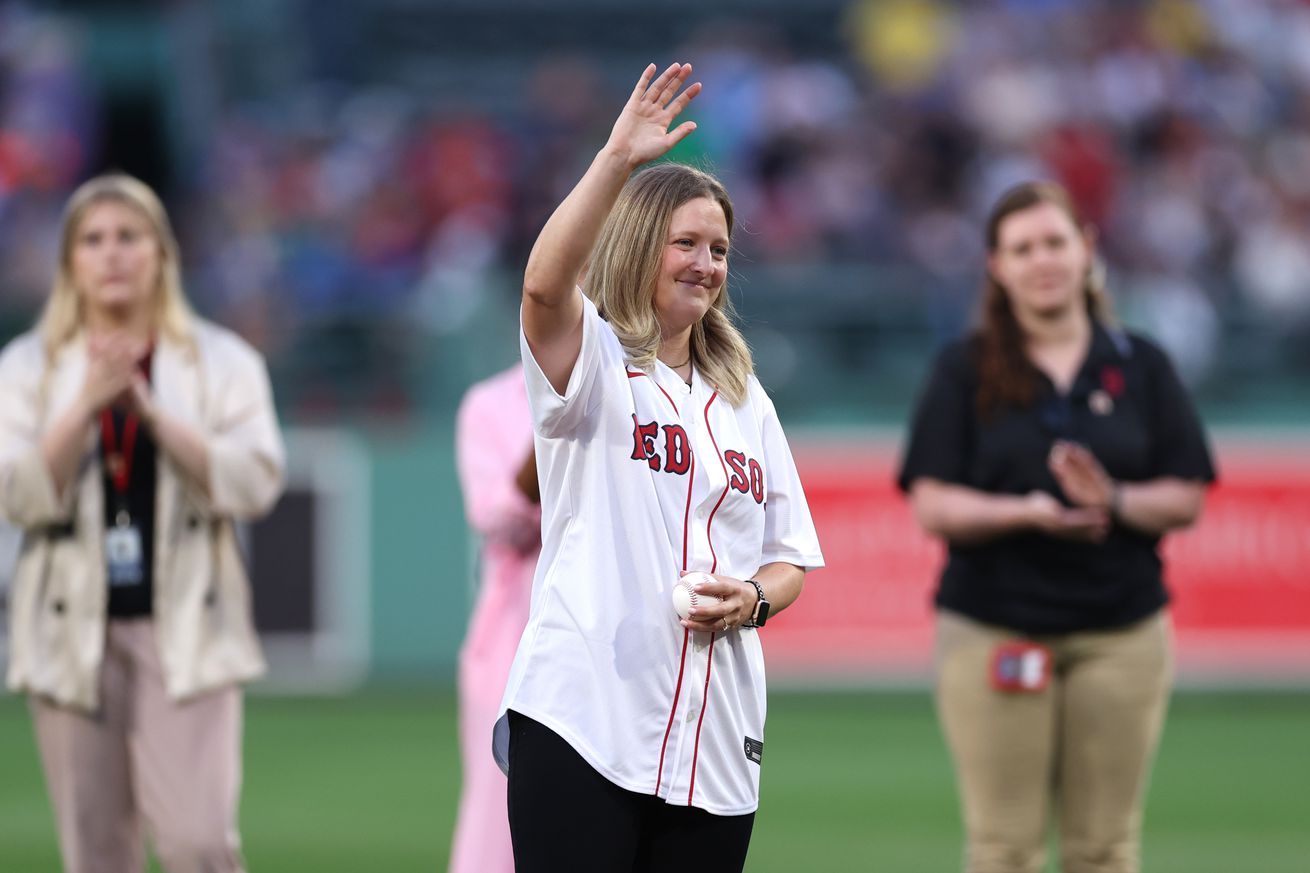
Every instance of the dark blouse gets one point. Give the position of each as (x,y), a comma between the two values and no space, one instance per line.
(1129,408)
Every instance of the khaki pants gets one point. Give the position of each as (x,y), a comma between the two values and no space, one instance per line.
(1082,747)
(143,765)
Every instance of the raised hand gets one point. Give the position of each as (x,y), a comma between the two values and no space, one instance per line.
(1080,476)
(641,132)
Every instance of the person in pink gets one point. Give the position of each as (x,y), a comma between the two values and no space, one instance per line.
(498,476)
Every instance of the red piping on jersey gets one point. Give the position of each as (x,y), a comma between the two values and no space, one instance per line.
(691,473)
(726,480)
(677,692)
(686,634)
(686,513)
(633,374)
(705,704)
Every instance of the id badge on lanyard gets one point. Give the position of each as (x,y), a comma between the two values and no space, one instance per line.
(123,551)
(1020,667)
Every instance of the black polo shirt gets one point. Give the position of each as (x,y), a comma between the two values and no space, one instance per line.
(1129,408)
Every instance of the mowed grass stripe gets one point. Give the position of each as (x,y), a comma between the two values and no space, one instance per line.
(851,782)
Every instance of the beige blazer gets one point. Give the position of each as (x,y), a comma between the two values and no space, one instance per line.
(202,610)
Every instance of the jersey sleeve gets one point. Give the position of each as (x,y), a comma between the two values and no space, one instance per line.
(942,426)
(1178,444)
(555,414)
(789,533)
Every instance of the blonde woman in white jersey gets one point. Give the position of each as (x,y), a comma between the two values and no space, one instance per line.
(634,739)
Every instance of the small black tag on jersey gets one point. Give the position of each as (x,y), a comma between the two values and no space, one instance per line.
(754,750)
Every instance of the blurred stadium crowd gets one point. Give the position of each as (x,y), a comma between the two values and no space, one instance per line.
(346,222)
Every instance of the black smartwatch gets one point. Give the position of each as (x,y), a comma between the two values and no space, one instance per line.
(761,608)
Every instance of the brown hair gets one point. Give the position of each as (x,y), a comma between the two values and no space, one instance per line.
(1006,376)
(63,314)
(624,268)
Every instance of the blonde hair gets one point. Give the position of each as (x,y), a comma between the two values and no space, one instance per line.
(625,265)
(63,314)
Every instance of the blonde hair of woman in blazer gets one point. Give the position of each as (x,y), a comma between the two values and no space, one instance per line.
(132,436)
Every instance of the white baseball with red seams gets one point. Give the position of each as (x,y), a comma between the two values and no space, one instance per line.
(686,597)
(644,477)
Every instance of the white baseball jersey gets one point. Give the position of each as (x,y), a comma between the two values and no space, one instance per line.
(641,478)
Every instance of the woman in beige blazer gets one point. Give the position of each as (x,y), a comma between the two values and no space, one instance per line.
(132,436)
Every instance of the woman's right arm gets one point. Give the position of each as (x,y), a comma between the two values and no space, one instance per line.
(111,363)
(552,310)
(39,463)
(966,516)
(62,445)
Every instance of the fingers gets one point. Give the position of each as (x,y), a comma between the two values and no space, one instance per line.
(723,587)
(680,133)
(676,107)
(1080,517)
(663,89)
(116,349)
(649,92)
(640,91)
(140,388)
(732,607)
(138,397)
(1080,475)
(675,82)
(1087,525)
(1073,457)
(707,624)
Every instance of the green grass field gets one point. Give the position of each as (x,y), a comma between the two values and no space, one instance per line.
(852,782)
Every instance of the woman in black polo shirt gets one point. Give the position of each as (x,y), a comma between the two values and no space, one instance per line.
(1051,451)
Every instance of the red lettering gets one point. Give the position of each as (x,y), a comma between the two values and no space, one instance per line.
(757,481)
(677,451)
(737,461)
(643,443)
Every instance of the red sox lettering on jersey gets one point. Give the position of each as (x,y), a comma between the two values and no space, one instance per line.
(642,477)
(747,474)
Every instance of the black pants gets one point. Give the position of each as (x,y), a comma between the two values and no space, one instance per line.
(564,817)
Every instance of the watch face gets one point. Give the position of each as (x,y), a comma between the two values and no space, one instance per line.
(763,613)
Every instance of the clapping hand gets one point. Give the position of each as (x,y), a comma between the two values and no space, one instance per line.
(641,132)
(1080,476)
(1050,516)
(111,369)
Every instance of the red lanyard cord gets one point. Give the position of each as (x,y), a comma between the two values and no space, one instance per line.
(119,464)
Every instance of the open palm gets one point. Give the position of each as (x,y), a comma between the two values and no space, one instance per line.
(1080,475)
(642,130)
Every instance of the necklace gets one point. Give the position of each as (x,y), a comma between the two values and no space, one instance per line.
(677,366)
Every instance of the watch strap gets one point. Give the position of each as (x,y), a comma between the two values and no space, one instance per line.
(761,613)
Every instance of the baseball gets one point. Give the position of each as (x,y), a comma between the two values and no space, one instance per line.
(685,596)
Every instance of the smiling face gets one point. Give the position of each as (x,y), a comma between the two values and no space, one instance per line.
(114,258)
(1041,259)
(694,265)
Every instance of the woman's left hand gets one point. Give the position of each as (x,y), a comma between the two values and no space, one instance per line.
(1080,476)
(138,400)
(737,605)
